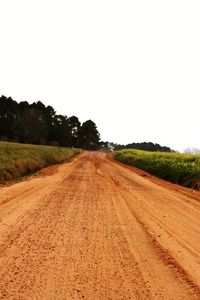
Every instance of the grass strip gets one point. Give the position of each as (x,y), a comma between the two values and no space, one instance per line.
(183,169)
(17,160)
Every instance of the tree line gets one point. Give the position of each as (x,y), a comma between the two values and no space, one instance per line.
(146,146)
(39,124)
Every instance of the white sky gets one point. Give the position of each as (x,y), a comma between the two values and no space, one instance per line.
(133,67)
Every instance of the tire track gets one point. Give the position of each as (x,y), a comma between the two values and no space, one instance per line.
(91,231)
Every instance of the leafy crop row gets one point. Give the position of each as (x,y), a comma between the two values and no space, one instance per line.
(18,160)
(178,168)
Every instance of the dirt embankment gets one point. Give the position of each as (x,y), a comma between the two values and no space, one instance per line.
(94,229)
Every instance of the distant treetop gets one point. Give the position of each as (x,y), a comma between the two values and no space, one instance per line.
(144,146)
(140,146)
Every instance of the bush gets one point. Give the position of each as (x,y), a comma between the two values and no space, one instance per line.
(175,167)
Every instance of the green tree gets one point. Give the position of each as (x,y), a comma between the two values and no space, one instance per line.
(89,136)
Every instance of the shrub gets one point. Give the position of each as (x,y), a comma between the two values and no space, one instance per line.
(175,167)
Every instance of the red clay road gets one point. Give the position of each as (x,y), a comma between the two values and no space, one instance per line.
(95,229)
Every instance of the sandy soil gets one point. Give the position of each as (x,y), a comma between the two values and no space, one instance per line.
(95,229)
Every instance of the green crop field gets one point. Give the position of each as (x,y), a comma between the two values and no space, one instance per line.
(178,168)
(17,160)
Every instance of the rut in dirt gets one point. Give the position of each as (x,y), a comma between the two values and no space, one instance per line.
(95,229)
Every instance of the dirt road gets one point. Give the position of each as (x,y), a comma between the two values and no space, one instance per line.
(94,229)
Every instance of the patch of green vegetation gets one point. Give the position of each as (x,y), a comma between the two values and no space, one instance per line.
(17,160)
(178,168)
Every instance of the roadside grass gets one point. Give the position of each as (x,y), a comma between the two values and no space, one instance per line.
(178,168)
(17,160)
